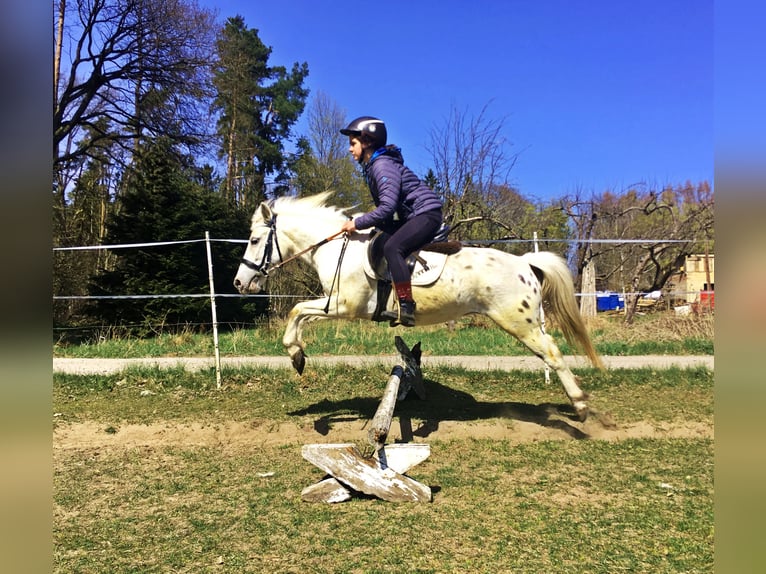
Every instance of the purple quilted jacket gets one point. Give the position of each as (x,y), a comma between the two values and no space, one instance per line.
(395,189)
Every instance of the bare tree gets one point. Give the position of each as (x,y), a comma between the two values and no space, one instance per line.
(327,165)
(125,69)
(675,222)
(325,120)
(472,161)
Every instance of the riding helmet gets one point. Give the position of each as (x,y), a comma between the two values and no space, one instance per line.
(372,128)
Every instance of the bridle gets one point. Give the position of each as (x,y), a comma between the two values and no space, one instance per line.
(265,265)
(271,241)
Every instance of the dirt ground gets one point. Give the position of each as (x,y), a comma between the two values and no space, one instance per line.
(229,435)
(540,423)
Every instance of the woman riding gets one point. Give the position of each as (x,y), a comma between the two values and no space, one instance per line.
(405,207)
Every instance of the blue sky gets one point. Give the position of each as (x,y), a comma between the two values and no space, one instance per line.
(596,95)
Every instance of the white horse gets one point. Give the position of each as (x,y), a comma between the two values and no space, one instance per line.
(506,288)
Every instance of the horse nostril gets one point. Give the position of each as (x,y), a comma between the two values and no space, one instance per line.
(237,283)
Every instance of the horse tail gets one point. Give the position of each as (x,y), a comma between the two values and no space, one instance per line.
(558,293)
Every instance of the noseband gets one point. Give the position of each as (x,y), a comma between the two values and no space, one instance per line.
(271,242)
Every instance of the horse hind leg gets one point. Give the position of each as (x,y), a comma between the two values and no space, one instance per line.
(543,346)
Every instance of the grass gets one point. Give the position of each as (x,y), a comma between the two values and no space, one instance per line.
(640,506)
(659,333)
(146,395)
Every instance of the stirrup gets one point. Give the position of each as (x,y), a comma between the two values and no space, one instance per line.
(402,323)
(396,318)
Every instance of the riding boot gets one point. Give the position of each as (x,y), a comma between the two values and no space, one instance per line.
(406,312)
(405,315)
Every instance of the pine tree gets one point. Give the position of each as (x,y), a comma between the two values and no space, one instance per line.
(258,105)
(162,202)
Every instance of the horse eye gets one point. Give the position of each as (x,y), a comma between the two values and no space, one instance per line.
(254,241)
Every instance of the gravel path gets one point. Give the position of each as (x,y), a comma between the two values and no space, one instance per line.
(106,366)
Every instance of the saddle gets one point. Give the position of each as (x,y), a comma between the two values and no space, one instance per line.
(425,265)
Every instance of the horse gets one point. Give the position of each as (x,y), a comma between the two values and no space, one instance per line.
(509,289)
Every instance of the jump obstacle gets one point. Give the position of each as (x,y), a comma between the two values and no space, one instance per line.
(382,474)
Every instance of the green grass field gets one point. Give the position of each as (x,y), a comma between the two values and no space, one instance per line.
(652,334)
(151,477)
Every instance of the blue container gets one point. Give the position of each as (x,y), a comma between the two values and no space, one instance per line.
(609,302)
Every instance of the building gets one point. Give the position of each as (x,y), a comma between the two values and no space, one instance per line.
(695,281)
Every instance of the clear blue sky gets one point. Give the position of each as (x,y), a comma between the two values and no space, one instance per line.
(596,95)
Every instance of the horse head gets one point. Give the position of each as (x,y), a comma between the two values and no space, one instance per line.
(253,269)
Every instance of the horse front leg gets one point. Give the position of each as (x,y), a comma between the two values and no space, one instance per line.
(301,314)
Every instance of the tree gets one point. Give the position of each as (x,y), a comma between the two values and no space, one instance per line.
(124,71)
(471,162)
(257,105)
(164,203)
(133,69)
(676,222)
(82,221)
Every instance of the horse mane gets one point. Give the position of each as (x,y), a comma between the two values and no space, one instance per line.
(306,205)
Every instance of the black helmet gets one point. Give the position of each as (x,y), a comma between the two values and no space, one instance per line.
(373,128)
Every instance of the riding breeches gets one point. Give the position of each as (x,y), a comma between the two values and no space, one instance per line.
(413,234)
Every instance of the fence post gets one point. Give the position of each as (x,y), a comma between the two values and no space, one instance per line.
(542,314)
(215,316)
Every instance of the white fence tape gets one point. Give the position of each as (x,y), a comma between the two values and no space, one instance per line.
(217,295)
(213,296)
(466,242)
(151,244)
(549,240)
(178,296)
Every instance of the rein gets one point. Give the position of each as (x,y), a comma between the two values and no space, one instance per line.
(336,275)
(265,266)
(309,248)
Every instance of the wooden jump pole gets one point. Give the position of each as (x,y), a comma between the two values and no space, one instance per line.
(381,475)
(381,422)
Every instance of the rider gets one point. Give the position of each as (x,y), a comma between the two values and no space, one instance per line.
(405,207)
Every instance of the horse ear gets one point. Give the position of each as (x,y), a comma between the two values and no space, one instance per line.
(266,212)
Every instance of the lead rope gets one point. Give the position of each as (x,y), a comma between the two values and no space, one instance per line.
(336,275)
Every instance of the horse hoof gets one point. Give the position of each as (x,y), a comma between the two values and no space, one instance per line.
(582,410)
(299,361)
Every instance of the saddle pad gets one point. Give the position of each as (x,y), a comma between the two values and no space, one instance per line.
(429,274)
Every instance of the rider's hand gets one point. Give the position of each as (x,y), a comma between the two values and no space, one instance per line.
(348,226)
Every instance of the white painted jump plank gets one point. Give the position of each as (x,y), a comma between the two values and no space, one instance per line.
(328,490)
(345,463)
(402,457)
